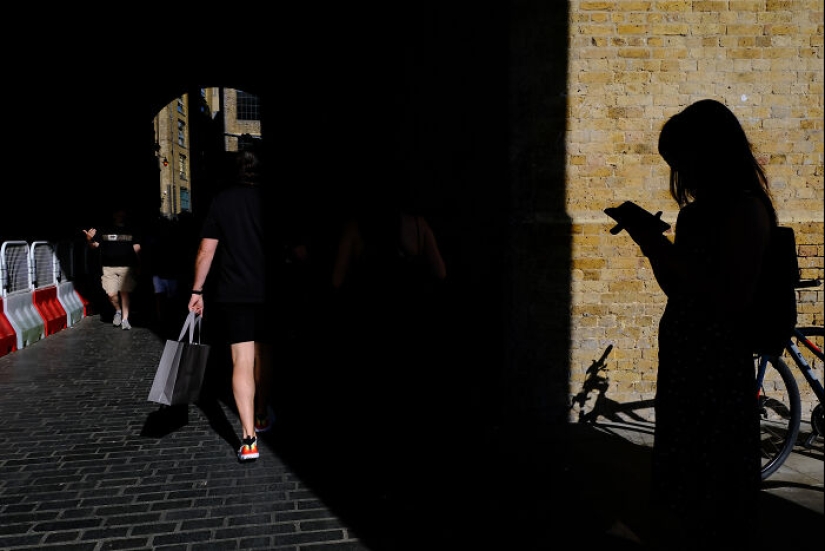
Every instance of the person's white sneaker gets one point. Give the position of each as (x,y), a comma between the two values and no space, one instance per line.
(116,321)
(125,325)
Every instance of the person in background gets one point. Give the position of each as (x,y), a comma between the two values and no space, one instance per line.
(234,242)
(706,466)
(119,246)
(168,254)
(388,288)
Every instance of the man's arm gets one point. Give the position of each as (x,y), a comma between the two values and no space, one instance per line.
(203,263)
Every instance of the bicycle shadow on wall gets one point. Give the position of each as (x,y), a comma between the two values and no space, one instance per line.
(595,408)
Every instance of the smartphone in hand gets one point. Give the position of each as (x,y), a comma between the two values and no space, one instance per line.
(629,214)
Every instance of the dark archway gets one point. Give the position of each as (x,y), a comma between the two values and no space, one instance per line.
(354,102)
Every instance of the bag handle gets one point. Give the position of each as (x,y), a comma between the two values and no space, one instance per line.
(197,325)
(192,320)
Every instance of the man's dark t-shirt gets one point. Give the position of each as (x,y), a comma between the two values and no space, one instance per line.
(117,246)
(236,220)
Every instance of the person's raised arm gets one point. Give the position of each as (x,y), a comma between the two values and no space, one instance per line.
(646,229)
(664,261)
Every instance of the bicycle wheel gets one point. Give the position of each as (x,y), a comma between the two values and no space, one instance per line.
(780,412)
(815,359)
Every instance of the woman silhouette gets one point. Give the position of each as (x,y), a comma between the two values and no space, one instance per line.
(706,463)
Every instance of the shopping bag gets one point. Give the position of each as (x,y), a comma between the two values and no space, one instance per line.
(182,365)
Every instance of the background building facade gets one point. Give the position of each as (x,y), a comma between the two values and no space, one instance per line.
(233,114)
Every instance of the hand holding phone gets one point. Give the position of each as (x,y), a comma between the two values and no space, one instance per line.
(630,215)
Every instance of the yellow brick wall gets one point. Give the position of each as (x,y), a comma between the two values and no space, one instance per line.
(632,64)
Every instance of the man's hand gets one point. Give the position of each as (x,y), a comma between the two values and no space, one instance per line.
(196,304)
(90,235)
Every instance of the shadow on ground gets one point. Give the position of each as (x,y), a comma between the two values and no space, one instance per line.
(579,487)
(482,491)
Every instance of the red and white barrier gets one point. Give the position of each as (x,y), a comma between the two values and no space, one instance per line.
(8,336)
(18,303)
(44,287)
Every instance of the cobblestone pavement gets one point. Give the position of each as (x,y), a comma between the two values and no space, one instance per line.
(87,463)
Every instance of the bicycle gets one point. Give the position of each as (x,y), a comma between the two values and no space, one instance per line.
(780,403)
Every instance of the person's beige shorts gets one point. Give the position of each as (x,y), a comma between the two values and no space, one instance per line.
(118,278)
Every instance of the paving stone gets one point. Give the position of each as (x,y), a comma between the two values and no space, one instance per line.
(87,463)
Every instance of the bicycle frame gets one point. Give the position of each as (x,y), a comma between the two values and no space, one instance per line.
(780,402)
(803,365)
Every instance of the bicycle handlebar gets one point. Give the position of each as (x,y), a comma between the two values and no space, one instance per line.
(805,283)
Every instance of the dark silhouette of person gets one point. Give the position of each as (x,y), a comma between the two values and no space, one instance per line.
(231,276)
(706,466)
(387,278)
(168,253)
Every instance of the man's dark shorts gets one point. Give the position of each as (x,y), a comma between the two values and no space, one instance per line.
(243,322)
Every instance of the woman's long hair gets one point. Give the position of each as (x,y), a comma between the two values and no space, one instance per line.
(710,156)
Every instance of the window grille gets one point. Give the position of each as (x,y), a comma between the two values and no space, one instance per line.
(249,108)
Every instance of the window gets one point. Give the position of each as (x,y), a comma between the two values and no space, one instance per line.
(181,133)
(185,200)
(203,104)
(180,105)
(249,108)
(182,169)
